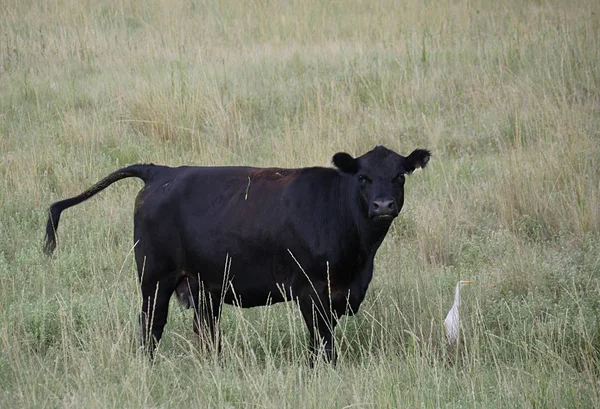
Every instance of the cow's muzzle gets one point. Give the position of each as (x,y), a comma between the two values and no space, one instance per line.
(382,209)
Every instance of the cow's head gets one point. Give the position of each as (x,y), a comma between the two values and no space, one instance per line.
(379,178)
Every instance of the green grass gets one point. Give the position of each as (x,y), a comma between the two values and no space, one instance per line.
(505,94)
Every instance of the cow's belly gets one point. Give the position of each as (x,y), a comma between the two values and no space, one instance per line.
(253,297)
(242,282)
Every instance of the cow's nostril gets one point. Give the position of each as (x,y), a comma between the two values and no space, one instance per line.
(375,205)
(392,205)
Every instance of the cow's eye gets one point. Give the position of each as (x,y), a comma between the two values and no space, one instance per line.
(399,178)
(363,180)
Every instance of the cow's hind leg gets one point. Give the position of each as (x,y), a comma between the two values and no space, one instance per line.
(155,308)
(206,308)
(321,324)
(207,312)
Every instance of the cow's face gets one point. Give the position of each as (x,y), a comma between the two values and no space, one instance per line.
(379,178)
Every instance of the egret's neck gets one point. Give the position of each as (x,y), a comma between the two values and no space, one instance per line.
(457,295)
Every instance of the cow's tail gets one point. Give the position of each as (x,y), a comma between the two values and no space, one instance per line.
(140,171)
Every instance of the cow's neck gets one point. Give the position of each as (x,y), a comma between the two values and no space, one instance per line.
(371,236)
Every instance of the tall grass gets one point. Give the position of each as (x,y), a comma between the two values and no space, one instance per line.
(505,94)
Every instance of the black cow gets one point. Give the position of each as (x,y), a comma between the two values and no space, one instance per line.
(253,236)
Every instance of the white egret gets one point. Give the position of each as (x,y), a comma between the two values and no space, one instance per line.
(451,323)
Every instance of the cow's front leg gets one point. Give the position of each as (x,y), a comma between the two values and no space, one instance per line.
(321,324)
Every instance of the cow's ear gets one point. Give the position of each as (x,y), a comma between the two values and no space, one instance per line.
(417,159)
(345,162)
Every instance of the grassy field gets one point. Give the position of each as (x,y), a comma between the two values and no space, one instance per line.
(505,94)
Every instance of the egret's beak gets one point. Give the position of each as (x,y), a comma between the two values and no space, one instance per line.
(466,282)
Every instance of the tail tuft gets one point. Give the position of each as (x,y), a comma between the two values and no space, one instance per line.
(51,226)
